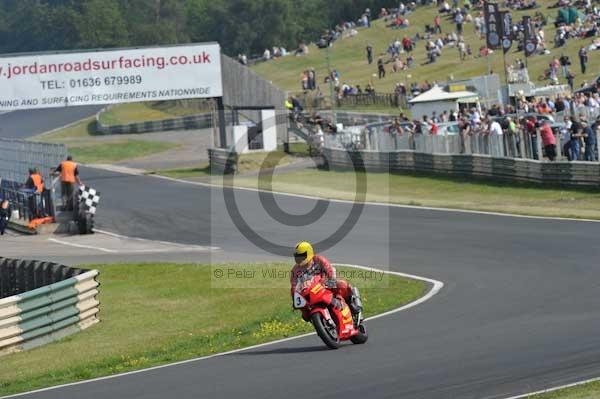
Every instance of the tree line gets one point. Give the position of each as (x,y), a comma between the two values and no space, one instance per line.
(240,26)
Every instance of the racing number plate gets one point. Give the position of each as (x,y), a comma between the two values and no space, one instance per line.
(299,301)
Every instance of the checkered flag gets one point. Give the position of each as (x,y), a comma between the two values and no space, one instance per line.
(90,197)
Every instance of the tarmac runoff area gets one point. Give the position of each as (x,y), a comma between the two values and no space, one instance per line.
(101,243)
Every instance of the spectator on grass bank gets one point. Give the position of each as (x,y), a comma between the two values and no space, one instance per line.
(4,216)
(564,63)
(548,140)
(583,59)
(380,68)
(593,140)
(69,176)
(576,134)
(589,139)
(459,19)
(437,24)
(495,129)
(570,79)
(369,54)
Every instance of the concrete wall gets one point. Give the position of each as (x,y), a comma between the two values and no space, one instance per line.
(244,88)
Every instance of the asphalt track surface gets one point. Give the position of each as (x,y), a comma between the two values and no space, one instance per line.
(24,124)
(518,313)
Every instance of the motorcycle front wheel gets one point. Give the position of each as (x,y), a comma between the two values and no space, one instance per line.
(362,335)
(327,334)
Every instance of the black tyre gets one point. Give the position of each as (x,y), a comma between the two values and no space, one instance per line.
(327,334)
(362,336)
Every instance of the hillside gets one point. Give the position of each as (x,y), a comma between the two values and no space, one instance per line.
(348,56)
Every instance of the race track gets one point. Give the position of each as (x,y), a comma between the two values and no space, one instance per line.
(518,313)
(25,124)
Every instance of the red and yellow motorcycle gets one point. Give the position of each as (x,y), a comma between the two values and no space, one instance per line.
(328,312)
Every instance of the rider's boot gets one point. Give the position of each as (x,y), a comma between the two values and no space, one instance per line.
(355,303)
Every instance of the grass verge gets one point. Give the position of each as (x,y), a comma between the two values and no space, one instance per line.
(248,163)
(87,147)
(83,129)
(439,191)
(586,391)
(117,150)
(149,320)
(186,173)
(348,56)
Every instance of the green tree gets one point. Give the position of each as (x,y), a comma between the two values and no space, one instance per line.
(102,24)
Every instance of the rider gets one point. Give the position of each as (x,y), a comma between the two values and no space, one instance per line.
(307,261)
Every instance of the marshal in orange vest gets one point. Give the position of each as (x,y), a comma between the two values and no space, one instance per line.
(38,181)
(67,171)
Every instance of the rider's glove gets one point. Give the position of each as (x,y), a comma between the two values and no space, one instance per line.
(336,303)
(331,284)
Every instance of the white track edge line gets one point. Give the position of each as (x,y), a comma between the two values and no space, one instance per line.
(175,244)
(71,244)
(371,203)
(437,286)
(554,389)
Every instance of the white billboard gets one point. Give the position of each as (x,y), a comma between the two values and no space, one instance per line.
(112,76)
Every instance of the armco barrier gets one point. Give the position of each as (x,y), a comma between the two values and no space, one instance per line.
(62,302)
(201,121)
(222,161)
(508,169)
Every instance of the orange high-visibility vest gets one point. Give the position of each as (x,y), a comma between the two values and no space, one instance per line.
(38,182)
(67,171)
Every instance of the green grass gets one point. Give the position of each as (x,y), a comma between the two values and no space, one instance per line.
(87,147)
(253,162)
(186,173)
(348,56)
(439,191)
(248,163)
(83,129)
(148,319)
(586,391)
(148,111)
(117,150)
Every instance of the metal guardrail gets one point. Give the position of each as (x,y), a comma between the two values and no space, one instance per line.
(222,161)
(47,312)
(202,121)
(29,204)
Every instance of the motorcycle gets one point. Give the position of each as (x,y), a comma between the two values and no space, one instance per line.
(332,323)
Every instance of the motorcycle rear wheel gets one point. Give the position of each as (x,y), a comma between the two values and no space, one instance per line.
(323,331)
(362,335)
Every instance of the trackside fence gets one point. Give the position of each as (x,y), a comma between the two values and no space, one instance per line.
(17,156)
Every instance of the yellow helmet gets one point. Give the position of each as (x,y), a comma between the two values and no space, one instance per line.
(303,253)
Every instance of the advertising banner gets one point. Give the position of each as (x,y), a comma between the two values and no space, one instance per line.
(529,36)
(507,34)
(493,25)
(111,76)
